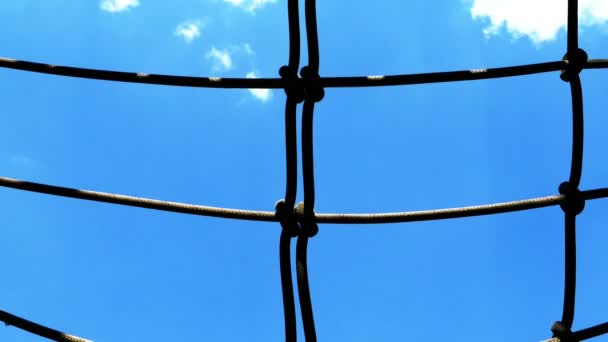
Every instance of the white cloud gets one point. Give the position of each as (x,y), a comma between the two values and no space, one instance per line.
(115,6)
(250,5)
(222,61)
(248,50)
(261,94)
(188,30)
(540,20)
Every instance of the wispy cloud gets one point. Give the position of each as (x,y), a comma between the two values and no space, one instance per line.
(189,30)
(540,20)
(115,6)
(261,94)
(250,5)
(248,50)
(222,60)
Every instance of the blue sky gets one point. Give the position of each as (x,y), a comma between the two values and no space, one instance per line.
(111,273)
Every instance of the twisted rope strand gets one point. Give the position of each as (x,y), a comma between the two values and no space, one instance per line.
(269,216)
(139,202)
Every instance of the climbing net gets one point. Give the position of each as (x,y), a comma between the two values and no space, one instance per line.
(300,221)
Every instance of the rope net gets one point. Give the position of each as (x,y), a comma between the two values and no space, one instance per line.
(300,221)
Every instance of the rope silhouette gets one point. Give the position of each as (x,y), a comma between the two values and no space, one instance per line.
(300,220)
(284,208)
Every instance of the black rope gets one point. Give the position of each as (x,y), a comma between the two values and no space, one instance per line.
(291,152)
(576,168)
(289,306)
(570,271)
(295,95)
(591,332)
(308,225)
(277,83)
(308,321)
(140,202)
(268,216)
(302,220)
(293,18)
(572,25)
(313,93)
(285,207)
(575,203)
(308,173)
(37,329)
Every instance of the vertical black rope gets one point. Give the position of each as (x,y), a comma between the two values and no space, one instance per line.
(301,220)
(308,159)
(570,271)
(308,227)
(574,203)
(308,321)
(294,96)
(576,168)
(293,16)
(289,307)
(313,92)
(285,207)
(312,34)
(572,25)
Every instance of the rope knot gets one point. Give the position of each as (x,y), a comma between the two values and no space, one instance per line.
(307,220)
(574,203)
(287,218)
(576,62)
(293,87)
(561,333)
(312,87)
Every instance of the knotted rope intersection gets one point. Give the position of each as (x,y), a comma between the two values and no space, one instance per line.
(300,220)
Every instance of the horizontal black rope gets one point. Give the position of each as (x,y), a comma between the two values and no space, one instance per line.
(452,76)
(278,83)
(595,331)
(303,220)
(139,202)
(269,216)
(37,329)
(452,213)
